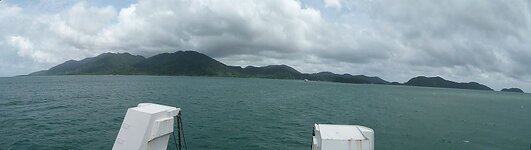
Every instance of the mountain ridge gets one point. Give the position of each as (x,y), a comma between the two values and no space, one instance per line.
(192,63)
(515,90)
(441,82)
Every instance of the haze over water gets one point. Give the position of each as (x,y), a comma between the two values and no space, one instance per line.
(85,112)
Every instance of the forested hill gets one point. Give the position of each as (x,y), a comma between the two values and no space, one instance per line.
(192,63)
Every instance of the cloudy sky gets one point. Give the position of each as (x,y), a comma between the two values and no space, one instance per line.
(487,41)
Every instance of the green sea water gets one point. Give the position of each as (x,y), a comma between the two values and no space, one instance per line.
(85,112)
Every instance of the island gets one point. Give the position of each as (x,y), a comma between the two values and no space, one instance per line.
(516,90)
(192,63)
(189,63)
(440,82)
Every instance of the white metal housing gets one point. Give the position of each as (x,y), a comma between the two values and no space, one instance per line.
(342,137)
(146,127)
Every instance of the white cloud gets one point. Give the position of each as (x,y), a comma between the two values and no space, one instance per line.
(214,27)
(81,26)
(332,3)
(25,48)
(88,19)
(8,11)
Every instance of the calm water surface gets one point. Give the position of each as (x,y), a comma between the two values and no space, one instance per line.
(85,112)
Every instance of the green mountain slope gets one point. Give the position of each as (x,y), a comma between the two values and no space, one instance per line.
(183,63)
(106,63)
(440,82)
(272,71)
(189,63)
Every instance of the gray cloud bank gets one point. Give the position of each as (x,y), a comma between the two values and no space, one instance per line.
(472,40)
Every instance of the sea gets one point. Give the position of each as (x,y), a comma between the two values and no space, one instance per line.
(219,113)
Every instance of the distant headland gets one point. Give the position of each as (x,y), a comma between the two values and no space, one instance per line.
(192,63)
(516,90)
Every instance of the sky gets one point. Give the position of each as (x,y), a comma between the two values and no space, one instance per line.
(486,41)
